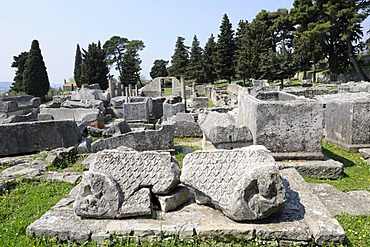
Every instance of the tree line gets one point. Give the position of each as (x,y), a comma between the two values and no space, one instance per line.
(275,45)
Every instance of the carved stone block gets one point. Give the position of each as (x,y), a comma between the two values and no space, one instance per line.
(245,184)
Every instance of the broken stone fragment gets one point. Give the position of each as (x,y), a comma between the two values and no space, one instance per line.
(139,204)
(99,196)
(127,172)
(133,170)
(177,197)
(245,184)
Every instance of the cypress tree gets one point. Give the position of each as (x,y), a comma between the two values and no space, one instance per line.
(19,63)
(35,77)
(94,67)
(209,60)
(180,58)
(195,67)
(225,50)
(78,66)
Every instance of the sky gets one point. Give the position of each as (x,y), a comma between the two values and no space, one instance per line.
(59,25)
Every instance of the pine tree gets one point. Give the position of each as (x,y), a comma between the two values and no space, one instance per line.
(180,59)
(159,68)
(195,67)
(130,64)
(78,66)
(209,60)
(94,67)
(225,50)
(243,51)
(35,77)
(19,62)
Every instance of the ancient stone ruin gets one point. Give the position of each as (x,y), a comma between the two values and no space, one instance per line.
(135,187)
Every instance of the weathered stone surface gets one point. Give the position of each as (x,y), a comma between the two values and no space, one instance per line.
(90,94)
(172,106)
(244,183)
(44,117)
(199,102)
(134,170)
(96,132)
(99,196)
(295,224)
(30,170)
(273,120)
(328,169)
(161,139)
(60,224)
(94,104)
(346,119)
(84,146)
(186,125)
(19,108)
(20,138)
(177,197)
(57,157)
(139,204)
(323,227)
(137,109)
(77,114)
(365,152)
(338,202)
(221,130)
(68,177)
(117,128)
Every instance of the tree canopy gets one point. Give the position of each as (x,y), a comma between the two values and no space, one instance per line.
(159,68)
(78,66)
(179,59)
(94,67)
(35,78)
(19,63)
(195,66)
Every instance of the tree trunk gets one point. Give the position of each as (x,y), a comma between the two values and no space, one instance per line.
(314,74)
(304,74)
(355,63)
(281,83)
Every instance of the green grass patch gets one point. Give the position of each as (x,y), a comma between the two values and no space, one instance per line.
(25,204)
(210,104)
(186,140)
(167,91)
(356,169)
(357,229)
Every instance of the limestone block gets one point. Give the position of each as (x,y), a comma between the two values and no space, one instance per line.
(99,196)
(116,129)
(19,138)
(68,177)
(365,152)
(321,169)
(134,170)
(77,114)
(245,184)
(173,200)
(84,146)
(139,204)
(220,129)
(117,102)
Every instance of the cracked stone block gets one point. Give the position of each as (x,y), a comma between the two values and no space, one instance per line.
(245,183)
(139,204)
(99,196)
(133,170)
(173,200)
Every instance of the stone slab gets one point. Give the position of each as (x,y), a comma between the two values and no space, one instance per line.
(77,115)
(338,202)
(68,177)
(328,169)
(323,227)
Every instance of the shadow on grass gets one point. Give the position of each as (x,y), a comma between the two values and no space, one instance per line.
(334,156)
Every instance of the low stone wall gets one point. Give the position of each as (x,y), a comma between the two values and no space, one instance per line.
(18,109)
(311,92)
(22,138)
(76,114)
(172,107)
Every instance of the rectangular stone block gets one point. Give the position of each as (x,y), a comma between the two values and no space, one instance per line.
(289,126)
(347,119)
(76,114)
(22,138)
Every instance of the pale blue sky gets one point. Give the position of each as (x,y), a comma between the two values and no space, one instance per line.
(59,25)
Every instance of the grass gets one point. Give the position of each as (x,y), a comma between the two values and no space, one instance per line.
(189,142)
(167,91)
(23,205)
(356,169)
